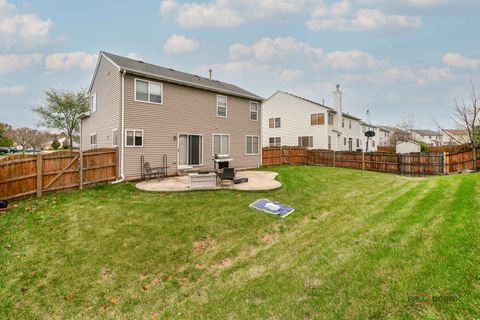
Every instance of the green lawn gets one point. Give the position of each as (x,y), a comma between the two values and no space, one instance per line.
(360,245)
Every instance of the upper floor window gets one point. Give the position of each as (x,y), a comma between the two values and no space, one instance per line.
(274,122)
(343,123)
(350,125)
(221,106)
(317,119)
(147,91)
(134,138)
(93,141)
(93,103)
(254,111)
(330,119)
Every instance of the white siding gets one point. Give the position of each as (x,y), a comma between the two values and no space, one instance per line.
(295,114)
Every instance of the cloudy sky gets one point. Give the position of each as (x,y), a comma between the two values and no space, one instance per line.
(395,57)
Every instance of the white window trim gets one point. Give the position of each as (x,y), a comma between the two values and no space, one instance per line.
(93,97)
(226,106)
(96,140)
(186,166)
(258,110)
(114,133)
(148,93)
(134,146)
(258,151)
(213,142)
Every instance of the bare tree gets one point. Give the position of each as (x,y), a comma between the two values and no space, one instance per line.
(22,136)
(403,130)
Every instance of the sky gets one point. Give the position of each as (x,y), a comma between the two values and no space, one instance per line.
(396,58)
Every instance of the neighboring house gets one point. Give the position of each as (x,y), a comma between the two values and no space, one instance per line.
(290,120)
(384,136)
(429,137)
(147,110)
(408,146)
(454,137)
(373,142)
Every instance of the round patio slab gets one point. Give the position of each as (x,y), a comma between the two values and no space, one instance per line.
(257,181)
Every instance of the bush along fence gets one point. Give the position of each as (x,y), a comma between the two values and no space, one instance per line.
(417,164)
(25,175)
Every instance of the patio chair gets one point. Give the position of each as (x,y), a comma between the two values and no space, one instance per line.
(155,173)
(228,174)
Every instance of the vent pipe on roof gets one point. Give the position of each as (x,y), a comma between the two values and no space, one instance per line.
(210,72)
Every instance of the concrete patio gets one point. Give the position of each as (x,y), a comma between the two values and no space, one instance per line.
(257,181)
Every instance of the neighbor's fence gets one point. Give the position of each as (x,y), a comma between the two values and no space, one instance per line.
(24,175)
(409,164)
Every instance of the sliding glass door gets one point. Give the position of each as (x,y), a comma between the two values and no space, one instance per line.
(190,150)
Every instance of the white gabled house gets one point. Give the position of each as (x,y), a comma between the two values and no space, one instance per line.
(290,120)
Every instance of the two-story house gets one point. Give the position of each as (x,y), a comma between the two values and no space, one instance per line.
(429,137)
(151,111)
(290,120)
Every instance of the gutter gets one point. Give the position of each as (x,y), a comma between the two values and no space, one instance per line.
(122,116)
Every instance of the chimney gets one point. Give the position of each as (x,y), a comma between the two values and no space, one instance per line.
(210,72)
(337,105)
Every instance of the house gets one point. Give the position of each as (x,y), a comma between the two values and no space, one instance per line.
(408,146)
(369,145)
(384,136)
(429,137)
(147,110)
(290,120)
(454,137)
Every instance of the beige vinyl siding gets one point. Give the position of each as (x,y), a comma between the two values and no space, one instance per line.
(107,87)
(186,110)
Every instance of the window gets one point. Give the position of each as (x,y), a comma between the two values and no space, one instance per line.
(93,141)
(306,142)
(317,119)
(350,125)
(221,106)
(147,91)
(114,137)
(358,143)
(93,103)
(221,144)
(329,143)
(373,143)
(134,138)
(251,145)
(330,119)
(190,150)
(274,123)
(274,142)
(350,144)
(344,141)
(253,111)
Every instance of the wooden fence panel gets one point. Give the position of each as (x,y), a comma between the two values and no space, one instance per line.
(461,160)
(421,164)
(382,162)
(23,175)
(320,157)
(349,159)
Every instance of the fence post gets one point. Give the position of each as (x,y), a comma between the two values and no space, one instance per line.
(281,155)
(363,160)
(399,161)
(444,163)
(39,175)
(474,149)
(80,168)
(334,158)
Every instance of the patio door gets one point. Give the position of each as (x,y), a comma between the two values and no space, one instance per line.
(190,150)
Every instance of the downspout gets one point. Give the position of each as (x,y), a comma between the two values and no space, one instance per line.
(122,117)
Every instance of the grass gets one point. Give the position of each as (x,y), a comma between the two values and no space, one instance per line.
(361,245)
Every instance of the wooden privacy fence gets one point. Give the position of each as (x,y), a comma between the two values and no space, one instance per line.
(24,175)
(409,164)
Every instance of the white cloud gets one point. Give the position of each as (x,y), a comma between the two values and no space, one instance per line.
(228,13)
(274,48)
(178,44)
(69,61)
(353,59)
(290,75)
(363,20)
(135,56)
(12,91)
(27,30)
(457,60)
(395,75)
(15,62)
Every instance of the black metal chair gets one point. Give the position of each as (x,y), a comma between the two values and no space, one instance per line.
(228,174)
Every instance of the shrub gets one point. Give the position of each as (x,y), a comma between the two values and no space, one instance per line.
(56,144)
(424,147)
